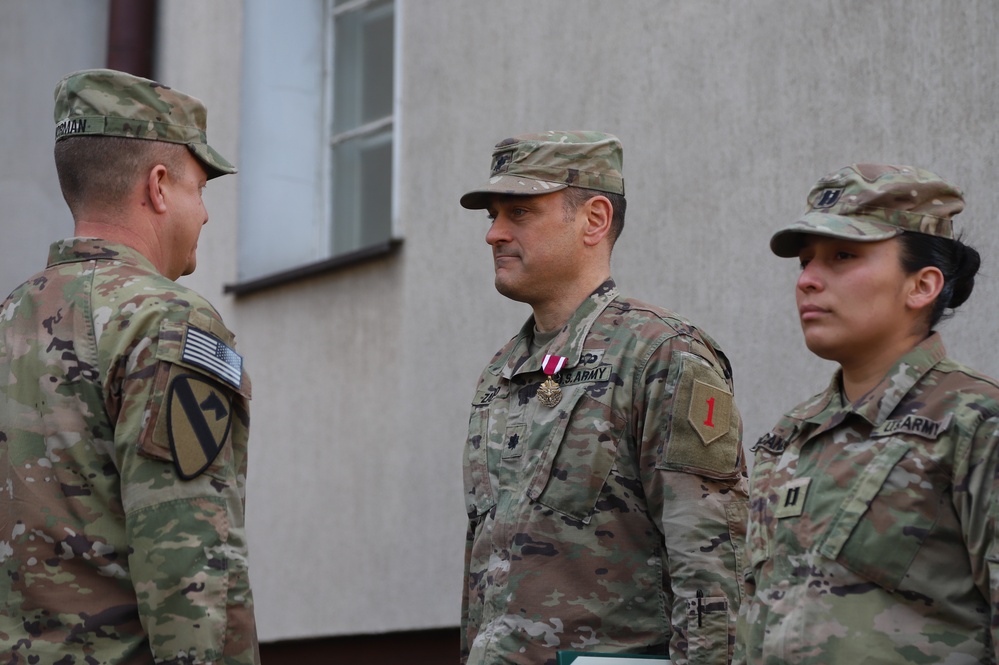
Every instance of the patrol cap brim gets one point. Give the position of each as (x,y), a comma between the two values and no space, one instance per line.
(507,185)
(787,242)
(214,163)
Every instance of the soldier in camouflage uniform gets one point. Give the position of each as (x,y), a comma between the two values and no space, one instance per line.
(604,477)
(873,504)
(123,406)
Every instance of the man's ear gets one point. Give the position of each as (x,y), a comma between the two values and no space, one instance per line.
(926,285)
(155,185)
(599,213)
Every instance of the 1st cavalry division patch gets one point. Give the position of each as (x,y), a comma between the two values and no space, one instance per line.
(199,415)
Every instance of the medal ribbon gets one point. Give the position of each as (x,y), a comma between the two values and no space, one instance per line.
(552,364)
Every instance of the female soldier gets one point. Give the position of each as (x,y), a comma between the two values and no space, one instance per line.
(872,526)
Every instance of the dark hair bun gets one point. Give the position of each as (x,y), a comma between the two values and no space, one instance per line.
(966,264)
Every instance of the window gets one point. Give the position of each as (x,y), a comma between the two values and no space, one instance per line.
(362,123)
(317,137)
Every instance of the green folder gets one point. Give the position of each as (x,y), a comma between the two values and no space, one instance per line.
(596,658)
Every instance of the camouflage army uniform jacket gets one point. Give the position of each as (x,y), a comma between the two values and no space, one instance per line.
(107,553)
(872,525)
(615,520)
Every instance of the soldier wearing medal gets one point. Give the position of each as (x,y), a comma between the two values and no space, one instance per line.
(604,477)
(872,533)
(124,406)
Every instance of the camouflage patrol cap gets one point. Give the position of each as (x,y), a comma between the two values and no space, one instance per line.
(104,102)
(533,164)
(871,202)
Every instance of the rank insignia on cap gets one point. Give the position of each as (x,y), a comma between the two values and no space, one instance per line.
(501,161)
(828,197)
(710,412)
(209,352)
(199,413)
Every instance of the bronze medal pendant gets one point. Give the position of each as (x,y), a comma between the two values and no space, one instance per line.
(549,393)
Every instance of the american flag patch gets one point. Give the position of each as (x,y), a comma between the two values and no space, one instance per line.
(211,353)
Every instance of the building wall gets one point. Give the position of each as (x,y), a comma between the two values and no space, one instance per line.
(728,111)
(39,43)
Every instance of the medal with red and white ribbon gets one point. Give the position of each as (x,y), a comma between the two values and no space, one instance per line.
(549,393)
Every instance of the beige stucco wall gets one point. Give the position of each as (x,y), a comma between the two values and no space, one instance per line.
(728,111)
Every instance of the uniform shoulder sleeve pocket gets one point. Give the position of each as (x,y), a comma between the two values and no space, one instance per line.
(704,429)
(205,346)
(199,388)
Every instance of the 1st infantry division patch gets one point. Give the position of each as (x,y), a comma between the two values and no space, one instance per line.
(710,412)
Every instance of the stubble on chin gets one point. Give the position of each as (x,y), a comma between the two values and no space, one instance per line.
(508,290)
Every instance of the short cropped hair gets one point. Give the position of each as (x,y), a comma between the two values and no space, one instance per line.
(577,196)
(103,170)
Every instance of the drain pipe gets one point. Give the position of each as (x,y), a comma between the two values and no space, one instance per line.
(132,36)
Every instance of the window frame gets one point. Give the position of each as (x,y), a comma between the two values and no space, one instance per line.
(326,179)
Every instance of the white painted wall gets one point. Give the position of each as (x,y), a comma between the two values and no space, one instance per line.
(40,42)
(729,111)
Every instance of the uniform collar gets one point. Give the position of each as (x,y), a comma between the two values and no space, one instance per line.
(827,409)
(568,343)
(75,250)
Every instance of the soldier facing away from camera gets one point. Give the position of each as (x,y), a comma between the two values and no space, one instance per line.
(123,405)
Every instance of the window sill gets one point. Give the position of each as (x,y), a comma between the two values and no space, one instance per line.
(344,260)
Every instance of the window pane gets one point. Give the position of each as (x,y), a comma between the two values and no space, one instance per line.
(282,167)
(362,192)
(363,42)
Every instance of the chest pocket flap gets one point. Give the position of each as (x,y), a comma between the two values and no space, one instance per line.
(864,516)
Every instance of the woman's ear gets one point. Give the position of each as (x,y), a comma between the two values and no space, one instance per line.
(926,285)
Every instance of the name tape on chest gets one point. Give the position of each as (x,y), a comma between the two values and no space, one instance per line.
(770,442)
(210,353)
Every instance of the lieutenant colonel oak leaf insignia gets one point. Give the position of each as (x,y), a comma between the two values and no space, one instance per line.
(710,412)
(501,162)
(199,414)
